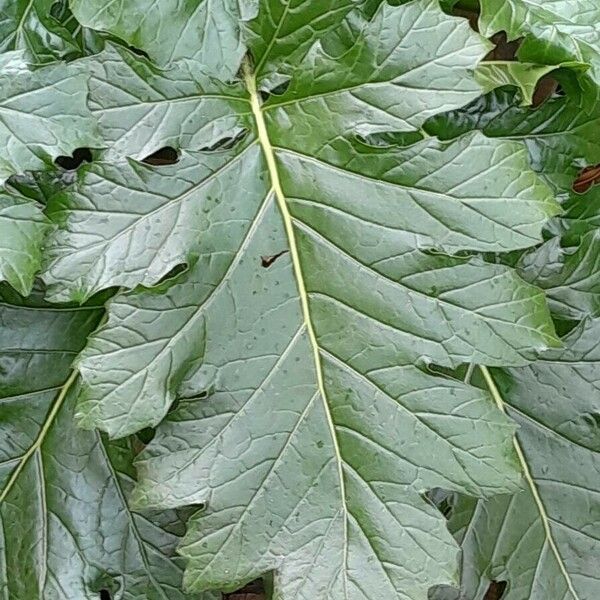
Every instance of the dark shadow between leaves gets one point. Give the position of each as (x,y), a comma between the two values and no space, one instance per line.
(255,590)
(105,595)
(175,272)
(226,143)
(72,163)
(495,590)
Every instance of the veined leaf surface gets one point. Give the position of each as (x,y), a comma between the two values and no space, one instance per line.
(324,279)
(545,540)
(67,529)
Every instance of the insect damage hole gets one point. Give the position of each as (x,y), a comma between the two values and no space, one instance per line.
(73,162)
(267,261)
(163,156)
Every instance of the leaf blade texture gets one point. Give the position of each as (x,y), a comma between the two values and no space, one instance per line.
(63,495)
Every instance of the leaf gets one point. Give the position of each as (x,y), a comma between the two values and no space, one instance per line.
(30,25)
(141,108)
(555,32)
(570,276)
(582,213)
(371,285)
(67,529)
(284,31)
(43,114)
(23,228)
(493,74)
(206,32)
(92,250)
(544,540)
(559,136)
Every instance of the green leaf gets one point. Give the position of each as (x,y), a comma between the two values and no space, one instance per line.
(493,74)
(545,540)
(327,283)
(142,108)
(206,32)
(570,276)
(284,31)
(43,114)
(443,206)
(559,136)
(67,529)
(30,25)
(23,228)
(555,32)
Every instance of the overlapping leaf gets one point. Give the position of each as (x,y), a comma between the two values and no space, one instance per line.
(67,529)
(23,229)
(545,540)
(207,32)
(43,114)
(554,31)
(32,26)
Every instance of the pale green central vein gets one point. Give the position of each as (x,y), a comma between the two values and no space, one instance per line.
(41,436)
(269,154)
(531,483)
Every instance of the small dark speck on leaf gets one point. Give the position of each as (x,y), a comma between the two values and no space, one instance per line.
(267,261)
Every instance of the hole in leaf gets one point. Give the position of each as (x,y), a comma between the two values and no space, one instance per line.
(163,156)
(504,49)
(586,179)
(173,273)
(267,261)
(138,51)
(281,88)
(71,163)
(105,595)
(495,590)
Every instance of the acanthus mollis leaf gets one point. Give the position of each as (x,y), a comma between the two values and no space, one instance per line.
(554,32)
(325,278)
(560,140)
(205,32)
(31,26)
(545,540)
(23,228)
(43,114)
(559,136)
(67,528)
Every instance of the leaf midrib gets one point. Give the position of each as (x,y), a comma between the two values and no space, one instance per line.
(545,519)
(269,154)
